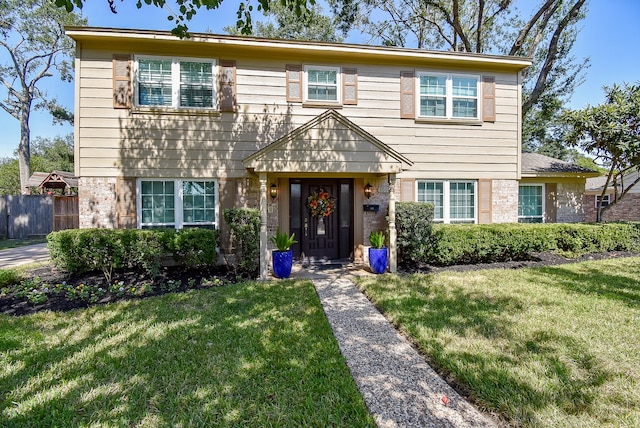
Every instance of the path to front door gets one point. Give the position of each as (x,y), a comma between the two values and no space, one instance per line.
(329,237)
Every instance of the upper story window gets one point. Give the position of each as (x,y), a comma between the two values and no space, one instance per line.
(448,96)
(322,84)
(175,82)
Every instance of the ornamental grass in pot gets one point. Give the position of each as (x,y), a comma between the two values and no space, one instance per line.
(378,253)
(282,258)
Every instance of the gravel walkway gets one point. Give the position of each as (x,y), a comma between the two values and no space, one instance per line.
(399,387)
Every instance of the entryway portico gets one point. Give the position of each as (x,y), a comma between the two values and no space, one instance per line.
(328,154)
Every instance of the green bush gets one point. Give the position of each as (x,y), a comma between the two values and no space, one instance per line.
(474,243)
(245,239)
(9,277)
(108,250)
(196,247)
(413,225)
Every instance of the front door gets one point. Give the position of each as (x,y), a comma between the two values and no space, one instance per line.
(322,236)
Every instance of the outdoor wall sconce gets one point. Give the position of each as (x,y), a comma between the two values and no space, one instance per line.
(368,190)
(273,191)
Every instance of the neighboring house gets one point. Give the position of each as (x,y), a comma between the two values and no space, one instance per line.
(627,209)
(170,132)
(551,190)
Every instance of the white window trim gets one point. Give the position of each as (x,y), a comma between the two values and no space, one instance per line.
(446,200)
(178,204)
(544,201)
(448,95)
(606,198)
(175,81)
(305,84)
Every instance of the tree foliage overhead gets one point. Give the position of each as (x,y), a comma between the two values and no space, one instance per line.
(187,9)
(34,45)
(285,23)
(611,133)
(481,26)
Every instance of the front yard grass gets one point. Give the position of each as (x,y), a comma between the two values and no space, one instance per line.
(250,354)
(555,346)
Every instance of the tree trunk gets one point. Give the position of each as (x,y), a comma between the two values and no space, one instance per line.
(24,149)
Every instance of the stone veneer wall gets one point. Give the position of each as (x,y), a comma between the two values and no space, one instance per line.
(97,202)
(504,201)
(628,209)
(372,221)
(570,205)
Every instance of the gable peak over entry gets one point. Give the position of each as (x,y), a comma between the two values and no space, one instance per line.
(329,143)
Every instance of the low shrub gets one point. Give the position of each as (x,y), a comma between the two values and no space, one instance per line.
(476,243)
(107,250)
(413,225)
(9,277)
(245,239)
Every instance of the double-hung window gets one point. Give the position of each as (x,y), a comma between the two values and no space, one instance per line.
(606,200)
(453,201)
(448,96)
(322,84)
(531,203)
(175,82)
(177,203)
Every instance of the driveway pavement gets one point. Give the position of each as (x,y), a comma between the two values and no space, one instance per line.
(13,257)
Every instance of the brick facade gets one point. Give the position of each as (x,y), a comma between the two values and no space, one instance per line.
(569,203)
(505,201)
(97,202)
(628,209)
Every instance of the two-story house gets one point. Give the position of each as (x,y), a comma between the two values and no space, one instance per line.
(169,132)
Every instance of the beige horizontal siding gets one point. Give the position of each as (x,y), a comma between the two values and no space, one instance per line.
(122,142)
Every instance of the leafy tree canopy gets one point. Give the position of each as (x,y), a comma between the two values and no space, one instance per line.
(611,133)
(187,9)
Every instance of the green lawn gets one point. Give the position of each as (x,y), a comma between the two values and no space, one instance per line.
(252,354)
(554,347)
(13,243)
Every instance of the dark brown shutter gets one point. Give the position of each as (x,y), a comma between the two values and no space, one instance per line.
(407,95)
(350,86)
(227,85)
(122,92)
(485,189)
(488,98)
(407,188)
(126,203)
(294,83)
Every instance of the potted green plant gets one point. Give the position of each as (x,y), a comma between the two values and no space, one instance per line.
(378,254)
(282,258)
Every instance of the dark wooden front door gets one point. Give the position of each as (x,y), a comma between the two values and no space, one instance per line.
(329,237)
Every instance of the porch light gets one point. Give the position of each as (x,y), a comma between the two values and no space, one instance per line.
(368,190)
(273,191)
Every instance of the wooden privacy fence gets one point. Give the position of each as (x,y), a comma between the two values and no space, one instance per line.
(32,215)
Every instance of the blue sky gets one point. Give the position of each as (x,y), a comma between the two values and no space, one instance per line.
(609,36)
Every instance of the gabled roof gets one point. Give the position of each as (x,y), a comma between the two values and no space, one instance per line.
(537,165)
(53,180)
(597,183)
(329,143)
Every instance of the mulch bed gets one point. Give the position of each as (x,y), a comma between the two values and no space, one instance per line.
(201,278)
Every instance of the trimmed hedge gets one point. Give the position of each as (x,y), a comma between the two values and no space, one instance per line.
(477,243)
(413,225)
(107,250)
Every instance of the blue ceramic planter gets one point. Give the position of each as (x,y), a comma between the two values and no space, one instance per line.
(378,259)
(282,263)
